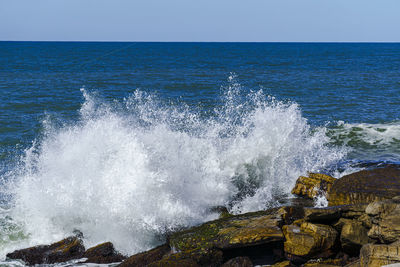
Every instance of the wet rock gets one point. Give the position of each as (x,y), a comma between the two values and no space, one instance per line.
(283,264)
(103,253)
(322,215)
(238,262)
(147,257)
(385,220)
(324,263)
(197,257)
(353,236)
(67,249)
(313,185)
(365,186)
(222,211)
(173,263)
(308,241)
(376,255)
(237,231)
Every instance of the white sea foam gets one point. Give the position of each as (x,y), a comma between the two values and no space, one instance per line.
(129,172)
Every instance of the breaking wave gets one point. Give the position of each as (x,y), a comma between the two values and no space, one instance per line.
(132,170)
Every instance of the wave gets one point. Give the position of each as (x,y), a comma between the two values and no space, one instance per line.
(369,141)
(132,170)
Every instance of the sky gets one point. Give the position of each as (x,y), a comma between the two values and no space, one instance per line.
(201,20)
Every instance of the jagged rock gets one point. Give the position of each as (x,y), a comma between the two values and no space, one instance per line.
(238,262)
(312,186)
(322,215)
(385,220)
(147,257)
(329,215)
(237,231)
(353,236)
(340,223)
(365,186)
(64,250)
(308,241)
(376,255)
(103,253)
(200,257)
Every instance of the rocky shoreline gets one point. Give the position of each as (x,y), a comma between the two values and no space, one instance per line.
(360,227)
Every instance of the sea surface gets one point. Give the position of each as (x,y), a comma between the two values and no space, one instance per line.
(126,142)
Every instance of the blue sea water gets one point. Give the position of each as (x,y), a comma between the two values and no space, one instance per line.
(141,138)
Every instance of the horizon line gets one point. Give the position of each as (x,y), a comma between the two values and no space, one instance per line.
(119,41)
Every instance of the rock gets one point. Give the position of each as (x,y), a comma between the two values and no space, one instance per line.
(385,220)
(222,211)
(64,250)
(353,236)
(197,257)
(312,186)
(103,253)
(322,215)
(173,263)
(374,255)
(237,231)
(147,257)
(365,186)
(309,241)
(283,264)
(324,263)
(238,262)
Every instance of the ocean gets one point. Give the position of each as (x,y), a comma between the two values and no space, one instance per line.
(126,142)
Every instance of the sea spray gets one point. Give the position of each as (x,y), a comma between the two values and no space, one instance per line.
(129,172)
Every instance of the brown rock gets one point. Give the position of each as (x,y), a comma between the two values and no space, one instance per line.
(103,253)
(385,220)
(309,240)
(353,236)
(238,262)
(64,250)
(147,257)
(312,186)
(324,263)
(236,231)
(376,255)
(365,186)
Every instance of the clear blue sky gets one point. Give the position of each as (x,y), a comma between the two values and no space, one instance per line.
(201,20)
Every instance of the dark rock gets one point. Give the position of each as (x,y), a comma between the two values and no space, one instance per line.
(147,257)
(353,236)
(201,257)
(64,250)
(173,263)
(365,186)
(238,262)
(103,253)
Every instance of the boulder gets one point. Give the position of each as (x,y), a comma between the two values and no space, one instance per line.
(67,249)
(147,257)
(353,236)
(324,263)
(197,257)
(238,262)
(237,231)
(365,186)
(103,253)
(313,185)
(385,220)
(376,255)
(309,241)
